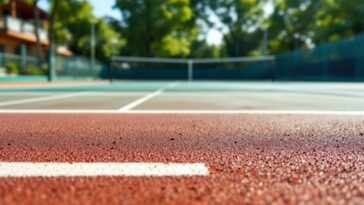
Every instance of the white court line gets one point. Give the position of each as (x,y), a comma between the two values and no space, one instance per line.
(146,97)
(253,112)
(39,99)
(52,169)
(194,112)
(88,93)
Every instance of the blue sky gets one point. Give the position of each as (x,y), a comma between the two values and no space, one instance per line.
(104,7)
(101,7)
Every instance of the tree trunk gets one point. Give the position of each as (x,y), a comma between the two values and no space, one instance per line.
(36,33)
(51,46)
(51,25)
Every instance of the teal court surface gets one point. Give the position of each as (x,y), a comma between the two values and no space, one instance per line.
(185,97)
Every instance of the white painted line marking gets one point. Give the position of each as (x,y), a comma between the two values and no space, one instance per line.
(44,169)
(140,100)
(253,112)
(146,97)
(39,99)
(196,112)
(20,111)
(124,94)
(88,94)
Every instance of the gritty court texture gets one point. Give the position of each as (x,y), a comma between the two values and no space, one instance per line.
(182,143)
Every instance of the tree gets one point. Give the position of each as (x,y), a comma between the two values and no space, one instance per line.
(200,49)
(156,27)
(300,24)
(51,38)
(73,23)
(338,19)
(200,20)
(109,42)
(241,19)
(36,32)
(291,25)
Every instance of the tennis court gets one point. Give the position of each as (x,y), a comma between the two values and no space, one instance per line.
(184,97)
(164,142)
(164,131)
(181,102)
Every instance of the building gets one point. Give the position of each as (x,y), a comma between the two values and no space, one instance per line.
(17,29)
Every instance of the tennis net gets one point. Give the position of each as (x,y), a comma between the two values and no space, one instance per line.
(142,68)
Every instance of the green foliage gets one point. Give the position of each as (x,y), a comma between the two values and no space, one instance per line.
(200,49)
(243,20)
(36,70)
(299,24)
(169,28)
(291,24)
(7,1)
(108,41)
(160,28)
(12,68)
(338,19)
(73,25)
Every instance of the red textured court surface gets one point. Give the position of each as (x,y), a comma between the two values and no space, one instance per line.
(313,158)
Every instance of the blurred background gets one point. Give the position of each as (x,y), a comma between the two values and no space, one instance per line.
(289,40)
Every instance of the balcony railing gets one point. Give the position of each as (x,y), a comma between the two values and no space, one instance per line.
(21,26)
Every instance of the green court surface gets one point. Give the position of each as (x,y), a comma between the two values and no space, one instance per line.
(180,96)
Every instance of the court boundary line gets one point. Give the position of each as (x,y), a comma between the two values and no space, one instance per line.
(89,93)
(195,112)
(147,97)
(41,99)
(93,169)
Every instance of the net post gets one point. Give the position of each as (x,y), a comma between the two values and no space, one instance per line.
(274,70)
(110,70)
(190,70)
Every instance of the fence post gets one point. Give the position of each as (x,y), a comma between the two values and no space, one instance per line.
(92,51)
(51,61)
(190,70)
(358,59)
(23,57)
(110,70)
(357,68)
(2,58)
(326,76)
(274,71)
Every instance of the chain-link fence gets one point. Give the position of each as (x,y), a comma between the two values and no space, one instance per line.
(79,67)
(334,61)
(12,64)
(65,67)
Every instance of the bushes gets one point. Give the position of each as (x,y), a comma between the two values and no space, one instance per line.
(36,70)
(12,68)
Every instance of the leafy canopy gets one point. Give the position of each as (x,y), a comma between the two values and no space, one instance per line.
(73,27)
(156,27)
